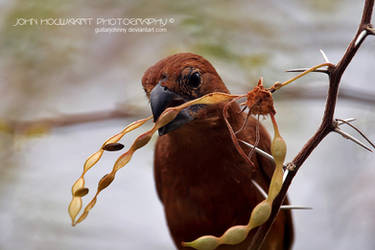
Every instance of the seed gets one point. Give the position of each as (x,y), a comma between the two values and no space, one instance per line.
(113,146)
(81,192)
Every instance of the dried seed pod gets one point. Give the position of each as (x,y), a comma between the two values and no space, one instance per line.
(236,234)
(115,146)
(76,202)
(111,144)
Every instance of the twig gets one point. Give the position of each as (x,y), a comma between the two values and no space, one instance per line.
(69,120)
(326,126)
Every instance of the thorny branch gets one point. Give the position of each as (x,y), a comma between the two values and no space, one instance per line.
(335,73)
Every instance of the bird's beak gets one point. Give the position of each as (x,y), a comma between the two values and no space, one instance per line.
(162,98)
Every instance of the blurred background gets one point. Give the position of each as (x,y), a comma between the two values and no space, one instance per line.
(66,88)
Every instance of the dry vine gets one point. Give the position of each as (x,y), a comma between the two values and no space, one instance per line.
(328,123)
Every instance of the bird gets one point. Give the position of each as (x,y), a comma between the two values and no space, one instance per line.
(204,184)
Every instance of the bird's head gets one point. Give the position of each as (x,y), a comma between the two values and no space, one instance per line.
(177,79)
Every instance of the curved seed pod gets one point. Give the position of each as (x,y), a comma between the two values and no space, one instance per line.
(76,202)
(236,234)
(168,115)
(141,140)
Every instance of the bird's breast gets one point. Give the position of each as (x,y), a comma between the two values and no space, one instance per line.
(203,183)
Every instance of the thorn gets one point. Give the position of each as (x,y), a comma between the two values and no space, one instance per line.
(356,129)
(304,69)
(360,37)
(345,121)
(261,152)
(324,56)
(350,137)
(284,207)
(260,189)
(289,207)
(243,109)
(371,31)
(286,172)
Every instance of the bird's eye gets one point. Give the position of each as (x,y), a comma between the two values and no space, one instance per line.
(195,80)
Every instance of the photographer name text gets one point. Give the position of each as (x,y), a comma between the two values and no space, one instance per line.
(99,21)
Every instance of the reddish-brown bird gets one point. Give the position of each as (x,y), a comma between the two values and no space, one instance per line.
(202,181)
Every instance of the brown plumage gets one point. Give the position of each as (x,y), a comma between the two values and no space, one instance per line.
(202,181)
